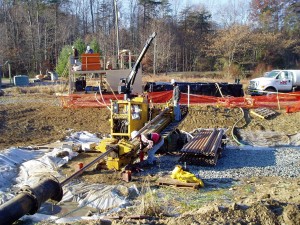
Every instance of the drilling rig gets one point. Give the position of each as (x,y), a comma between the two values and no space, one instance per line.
(127,115)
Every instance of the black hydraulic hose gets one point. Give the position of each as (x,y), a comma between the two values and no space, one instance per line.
(29,200)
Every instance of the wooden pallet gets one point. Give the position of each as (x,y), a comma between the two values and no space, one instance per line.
(263,113)
(176,183)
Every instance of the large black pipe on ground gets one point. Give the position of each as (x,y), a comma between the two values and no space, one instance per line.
(29,200)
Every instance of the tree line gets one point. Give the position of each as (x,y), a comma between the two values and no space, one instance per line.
(38,34)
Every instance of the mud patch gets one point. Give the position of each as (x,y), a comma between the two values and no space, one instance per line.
(264,138)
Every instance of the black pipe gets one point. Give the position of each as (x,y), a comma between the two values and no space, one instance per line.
(79,172)
(29,200)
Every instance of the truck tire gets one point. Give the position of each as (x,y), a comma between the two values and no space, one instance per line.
(270,89)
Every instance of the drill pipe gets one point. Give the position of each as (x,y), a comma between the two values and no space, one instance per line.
(79,172)
(151,122)
(29,200)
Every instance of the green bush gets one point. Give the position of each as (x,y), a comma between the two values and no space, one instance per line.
(95,46)
(63,59)
(80,46)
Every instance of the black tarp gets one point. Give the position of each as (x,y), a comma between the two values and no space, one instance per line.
(200,88)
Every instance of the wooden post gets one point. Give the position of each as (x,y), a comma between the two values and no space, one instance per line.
(9,72)
(188,96)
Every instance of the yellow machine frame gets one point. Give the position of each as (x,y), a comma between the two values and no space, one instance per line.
(126,116)
(123,122)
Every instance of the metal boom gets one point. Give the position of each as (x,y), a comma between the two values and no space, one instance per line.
(131,78)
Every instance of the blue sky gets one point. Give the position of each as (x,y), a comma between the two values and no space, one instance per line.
(213,3)
(221,10)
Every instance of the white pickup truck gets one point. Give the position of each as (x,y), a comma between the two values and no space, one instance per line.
(275,81)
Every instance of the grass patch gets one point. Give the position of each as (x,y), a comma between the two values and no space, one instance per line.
(169,201)
(249,189)
(197,199)
(149,201)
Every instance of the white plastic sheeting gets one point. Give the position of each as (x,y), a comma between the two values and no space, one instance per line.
(10,160)
(23,165)
(5,196)
(99,196)
(33,163)
(36,218)
(106,198)
(83,137)
(44,166)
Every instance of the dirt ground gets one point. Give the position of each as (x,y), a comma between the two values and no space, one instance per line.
(24,121)
(39,119)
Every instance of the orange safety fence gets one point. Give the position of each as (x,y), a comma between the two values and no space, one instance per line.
(87,100)
(289,101)
(280,101)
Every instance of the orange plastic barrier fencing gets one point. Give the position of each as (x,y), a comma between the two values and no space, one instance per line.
(289,101)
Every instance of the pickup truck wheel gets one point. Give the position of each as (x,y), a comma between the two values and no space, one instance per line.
(270,89)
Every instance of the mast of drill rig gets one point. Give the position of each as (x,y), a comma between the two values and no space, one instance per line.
(129,81)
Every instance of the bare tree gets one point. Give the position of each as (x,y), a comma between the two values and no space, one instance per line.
(34,32)
(232,12)
(231,45)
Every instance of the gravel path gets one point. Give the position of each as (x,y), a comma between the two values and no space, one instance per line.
(239,163)
(283,162)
